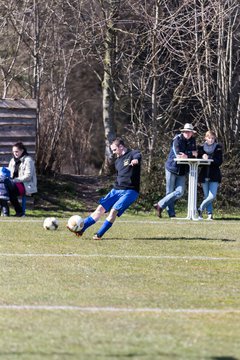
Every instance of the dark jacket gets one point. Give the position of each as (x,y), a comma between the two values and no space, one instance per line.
(128,176)
(4,194)
(180,144)
(212,171)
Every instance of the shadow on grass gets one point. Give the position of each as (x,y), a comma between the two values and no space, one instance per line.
(228,219)
(136,355)
(161,238)
(224,358)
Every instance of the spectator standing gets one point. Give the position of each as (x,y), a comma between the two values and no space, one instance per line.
(124,192)
(210,175)
(183,146)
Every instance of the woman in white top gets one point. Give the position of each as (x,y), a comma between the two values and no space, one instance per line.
(23,176)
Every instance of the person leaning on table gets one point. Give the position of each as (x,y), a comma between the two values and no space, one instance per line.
(183,146)
(23,179)
(210,175)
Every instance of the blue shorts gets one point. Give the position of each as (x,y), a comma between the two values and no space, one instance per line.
(119,200)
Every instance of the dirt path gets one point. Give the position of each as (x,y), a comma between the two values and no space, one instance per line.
(89,188)
(57,192)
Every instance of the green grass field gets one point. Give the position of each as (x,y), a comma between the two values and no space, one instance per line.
(152,289)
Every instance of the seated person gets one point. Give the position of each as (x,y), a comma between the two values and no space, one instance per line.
(23,176)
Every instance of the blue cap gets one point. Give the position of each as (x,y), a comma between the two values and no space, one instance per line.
(5,172)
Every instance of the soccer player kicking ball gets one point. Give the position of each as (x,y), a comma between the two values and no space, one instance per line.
(124,192)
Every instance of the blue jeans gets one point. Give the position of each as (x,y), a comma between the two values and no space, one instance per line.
(13,195)
(210,192)
(175,187)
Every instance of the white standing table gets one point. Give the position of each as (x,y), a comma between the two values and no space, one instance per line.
(192,184)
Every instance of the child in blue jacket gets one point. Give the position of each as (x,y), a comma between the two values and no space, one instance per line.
(4,194)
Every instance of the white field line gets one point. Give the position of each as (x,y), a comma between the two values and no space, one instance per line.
(150,222)
(112,256)
(96,309)
(62,220)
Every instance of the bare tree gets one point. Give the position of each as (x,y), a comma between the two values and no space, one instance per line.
(110,15)
(157,64)
(217,63)
(12,64)
(57,65)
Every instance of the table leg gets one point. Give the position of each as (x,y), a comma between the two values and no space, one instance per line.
(192,191)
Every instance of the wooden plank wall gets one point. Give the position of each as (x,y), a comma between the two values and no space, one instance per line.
(17,123)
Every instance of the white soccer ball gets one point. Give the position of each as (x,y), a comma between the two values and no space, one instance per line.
(75,223)
(50,223)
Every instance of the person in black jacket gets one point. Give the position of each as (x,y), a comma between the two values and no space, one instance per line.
(210,175)
(183,146)
(125,190)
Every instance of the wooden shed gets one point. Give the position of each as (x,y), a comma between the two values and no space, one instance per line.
(18,122)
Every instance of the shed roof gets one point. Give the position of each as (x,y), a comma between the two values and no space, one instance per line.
(18,103)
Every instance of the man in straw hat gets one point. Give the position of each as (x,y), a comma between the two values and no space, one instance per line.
(183,146)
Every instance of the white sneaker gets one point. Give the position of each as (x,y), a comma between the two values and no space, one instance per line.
(210,217)
(96,237)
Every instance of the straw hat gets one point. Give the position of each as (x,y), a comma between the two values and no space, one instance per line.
(188,127)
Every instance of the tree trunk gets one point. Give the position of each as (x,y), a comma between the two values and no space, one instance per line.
(108,83)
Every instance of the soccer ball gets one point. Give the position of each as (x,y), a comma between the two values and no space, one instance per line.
(75,223)
(50,223)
